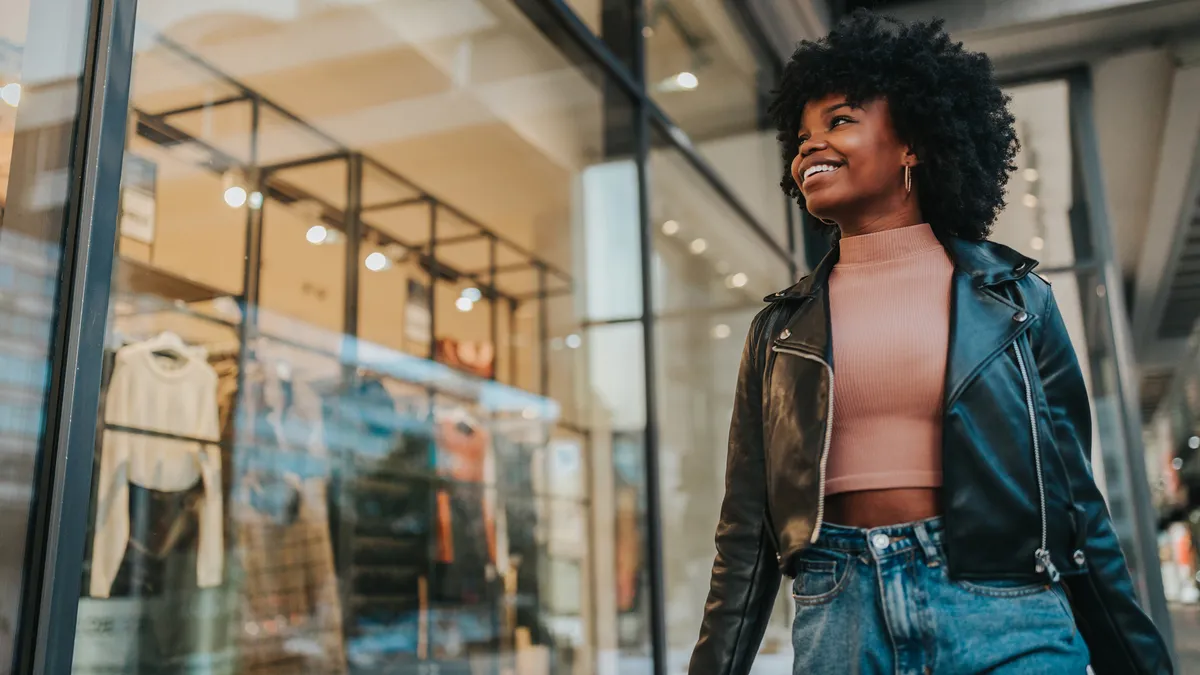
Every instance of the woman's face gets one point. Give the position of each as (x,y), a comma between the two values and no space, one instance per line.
(851,164)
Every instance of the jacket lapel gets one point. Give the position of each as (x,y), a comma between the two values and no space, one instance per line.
(808,330)
(983,321)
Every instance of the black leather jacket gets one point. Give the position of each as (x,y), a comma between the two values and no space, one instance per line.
(1018,496)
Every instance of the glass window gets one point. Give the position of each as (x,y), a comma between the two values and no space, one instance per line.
(710,275)
(358,411)
(704,74)
(1040,196)
(41,61)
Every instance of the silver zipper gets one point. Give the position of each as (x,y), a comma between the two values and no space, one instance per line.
(1043,563)
(828,438)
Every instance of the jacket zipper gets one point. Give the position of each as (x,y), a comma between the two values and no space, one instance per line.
(1042,561)
(828,438)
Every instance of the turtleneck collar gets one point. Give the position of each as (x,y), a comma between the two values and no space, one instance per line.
(888,245)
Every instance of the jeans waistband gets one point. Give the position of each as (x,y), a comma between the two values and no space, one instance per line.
(923,534)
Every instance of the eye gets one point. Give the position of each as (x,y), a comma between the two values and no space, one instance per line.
(839,121)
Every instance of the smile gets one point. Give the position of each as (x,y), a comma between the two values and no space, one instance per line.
(819,169)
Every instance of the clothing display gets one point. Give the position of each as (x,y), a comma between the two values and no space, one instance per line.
(382,522)
(158,386)
(289,586)
(364,516)
(279,511)
(887,402)
(476,358)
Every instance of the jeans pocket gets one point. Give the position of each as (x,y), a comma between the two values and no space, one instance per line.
(1003,588)
(820,580)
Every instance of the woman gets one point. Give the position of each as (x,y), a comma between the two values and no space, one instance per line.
(934,501)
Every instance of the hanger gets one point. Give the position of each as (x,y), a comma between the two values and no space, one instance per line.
(170,345)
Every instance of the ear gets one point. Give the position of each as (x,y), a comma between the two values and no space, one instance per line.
(910,158)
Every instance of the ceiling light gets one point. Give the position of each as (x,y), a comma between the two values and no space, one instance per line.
(11,94)
(670,228)
(1177,463)
(647,32)
(699,246)
(1030,200)
(687,80)
(464,304)
(1037,243)
(721,331)
(1031,175)
(574,341)
(377,262)
(256,200)
(738,280)
(235,196)
(472,294)
(1194,442)
(317,234)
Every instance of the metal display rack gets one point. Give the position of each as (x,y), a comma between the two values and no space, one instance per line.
(357,220)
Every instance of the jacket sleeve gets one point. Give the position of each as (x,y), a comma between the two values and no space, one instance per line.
(1122,638)
(745,575)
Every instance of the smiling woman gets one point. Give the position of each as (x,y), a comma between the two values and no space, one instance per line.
(936,485)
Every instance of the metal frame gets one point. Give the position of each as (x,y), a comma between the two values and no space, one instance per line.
(55,555)
(352,220)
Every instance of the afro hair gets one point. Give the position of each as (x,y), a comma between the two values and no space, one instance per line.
(945,104)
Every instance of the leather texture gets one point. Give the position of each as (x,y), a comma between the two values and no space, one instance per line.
(992,505)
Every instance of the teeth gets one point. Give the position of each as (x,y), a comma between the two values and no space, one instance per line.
(819,168)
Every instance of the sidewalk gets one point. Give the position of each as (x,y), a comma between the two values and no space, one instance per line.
(1185,620)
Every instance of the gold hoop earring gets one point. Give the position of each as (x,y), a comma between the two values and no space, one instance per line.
(907,179)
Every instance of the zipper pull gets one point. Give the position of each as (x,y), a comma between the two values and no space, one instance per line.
(1046,565)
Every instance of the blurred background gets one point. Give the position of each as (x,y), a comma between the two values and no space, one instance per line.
(427,314)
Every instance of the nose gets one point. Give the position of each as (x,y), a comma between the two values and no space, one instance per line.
(812,144)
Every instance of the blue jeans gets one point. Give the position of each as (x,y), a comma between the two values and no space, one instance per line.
(879,601)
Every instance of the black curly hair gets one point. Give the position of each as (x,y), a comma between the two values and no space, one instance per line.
(945,104)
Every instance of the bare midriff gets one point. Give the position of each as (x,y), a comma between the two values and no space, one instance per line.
(878,508)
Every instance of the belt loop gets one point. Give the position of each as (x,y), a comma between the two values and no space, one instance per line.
(932,557)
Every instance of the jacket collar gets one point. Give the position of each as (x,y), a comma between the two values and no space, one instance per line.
(986,263)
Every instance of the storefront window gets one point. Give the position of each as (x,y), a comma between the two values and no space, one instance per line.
(702,71)
(710,275)
(41,63)
(353,420)
(1037,220)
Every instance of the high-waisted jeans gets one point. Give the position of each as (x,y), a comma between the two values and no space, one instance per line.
(880,601)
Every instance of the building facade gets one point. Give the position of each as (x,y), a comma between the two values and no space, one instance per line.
(399,337)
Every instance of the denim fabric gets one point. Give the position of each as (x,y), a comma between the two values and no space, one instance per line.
(879,601)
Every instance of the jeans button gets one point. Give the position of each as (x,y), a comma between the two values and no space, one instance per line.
(880,540)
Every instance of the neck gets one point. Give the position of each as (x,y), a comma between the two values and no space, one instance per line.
(906,213)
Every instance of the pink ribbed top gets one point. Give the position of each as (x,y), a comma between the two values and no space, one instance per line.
(889,298)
